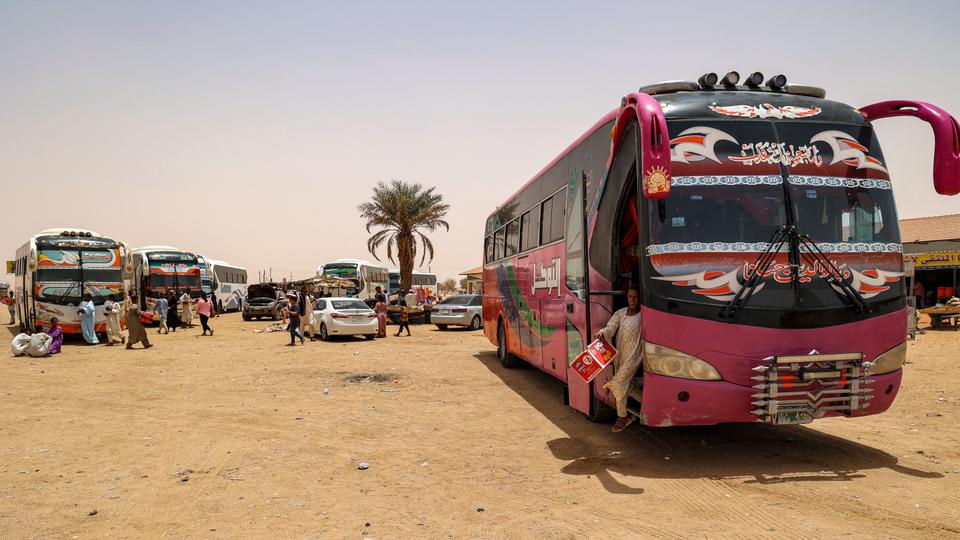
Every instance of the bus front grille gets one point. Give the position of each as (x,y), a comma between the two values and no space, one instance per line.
(798,389)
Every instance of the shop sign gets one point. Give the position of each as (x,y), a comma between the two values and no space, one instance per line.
(934,260)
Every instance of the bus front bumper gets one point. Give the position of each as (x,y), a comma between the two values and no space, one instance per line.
(670,401)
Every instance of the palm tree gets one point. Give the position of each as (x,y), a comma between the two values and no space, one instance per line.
(404,212)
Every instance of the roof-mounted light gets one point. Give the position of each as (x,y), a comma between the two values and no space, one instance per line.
(755,79)
(731,79)
(708,80)
(777,82)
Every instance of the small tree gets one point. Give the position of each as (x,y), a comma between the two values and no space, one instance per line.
(448,285)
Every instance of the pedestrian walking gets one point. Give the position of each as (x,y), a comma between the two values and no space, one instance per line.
(138,334)
(173,318)
(293,312)
(88,319)
(302,302)
(12,308)
(162,310)
(404,318)
(311,320)
(186,313)
(380,308)
(216,304)
(112,309)
(205,311)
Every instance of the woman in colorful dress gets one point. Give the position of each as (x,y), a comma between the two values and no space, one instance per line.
(380,308)
(56,333)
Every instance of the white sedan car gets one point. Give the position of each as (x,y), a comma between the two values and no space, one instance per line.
(344,317)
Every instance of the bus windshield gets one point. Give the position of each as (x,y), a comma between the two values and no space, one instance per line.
(728,184)
(170,272)
(347,271)
(736,183)
(65,274)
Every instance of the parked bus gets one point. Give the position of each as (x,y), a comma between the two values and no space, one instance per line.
(420,280)
(158,269)
(758,223)
(56,267)
(365,274)
(230,282)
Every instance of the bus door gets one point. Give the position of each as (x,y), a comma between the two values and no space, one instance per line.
(553,348)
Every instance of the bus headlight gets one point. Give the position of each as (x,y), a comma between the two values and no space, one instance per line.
(891,360)
(665,361)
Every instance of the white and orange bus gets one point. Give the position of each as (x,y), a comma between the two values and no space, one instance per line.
(56,267)
(759,225)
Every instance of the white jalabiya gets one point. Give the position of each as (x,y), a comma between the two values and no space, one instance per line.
(626,329)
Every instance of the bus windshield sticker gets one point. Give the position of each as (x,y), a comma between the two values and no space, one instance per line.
(839,181)
(697,143)
(846,148)
(766,111)
(723,286)
(728,180)
(778,153)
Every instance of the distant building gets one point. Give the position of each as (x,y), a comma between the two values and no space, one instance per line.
(474,280)
(933,245)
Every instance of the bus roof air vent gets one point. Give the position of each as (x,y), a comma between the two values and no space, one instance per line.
(669,87)
(804,90)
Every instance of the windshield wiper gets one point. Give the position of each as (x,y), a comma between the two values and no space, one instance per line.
(760,267)
(834,276)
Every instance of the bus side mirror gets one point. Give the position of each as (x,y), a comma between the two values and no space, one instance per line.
(946,138)
(653,151)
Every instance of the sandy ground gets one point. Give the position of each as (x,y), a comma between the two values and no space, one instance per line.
(234,436)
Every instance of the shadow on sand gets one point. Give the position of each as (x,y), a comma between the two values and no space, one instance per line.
(758,453)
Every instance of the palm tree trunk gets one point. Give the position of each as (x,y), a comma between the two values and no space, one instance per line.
(405,256)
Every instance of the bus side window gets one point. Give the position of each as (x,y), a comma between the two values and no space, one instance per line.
(529,231)
(551,219)
(488,249)
(546,210)
(556,220)
(498,244)
(513,238)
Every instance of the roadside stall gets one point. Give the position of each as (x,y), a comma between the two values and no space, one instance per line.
(325,284)
(947,315)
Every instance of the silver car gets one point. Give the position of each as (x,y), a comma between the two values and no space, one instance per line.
(460,310)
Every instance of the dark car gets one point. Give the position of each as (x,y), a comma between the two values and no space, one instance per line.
(264,300)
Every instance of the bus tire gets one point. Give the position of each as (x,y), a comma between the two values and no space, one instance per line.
(507,360)
(600,412)
(475,323)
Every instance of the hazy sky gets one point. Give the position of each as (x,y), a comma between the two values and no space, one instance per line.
(250,131)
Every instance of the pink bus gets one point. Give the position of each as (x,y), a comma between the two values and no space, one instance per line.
(758,222)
